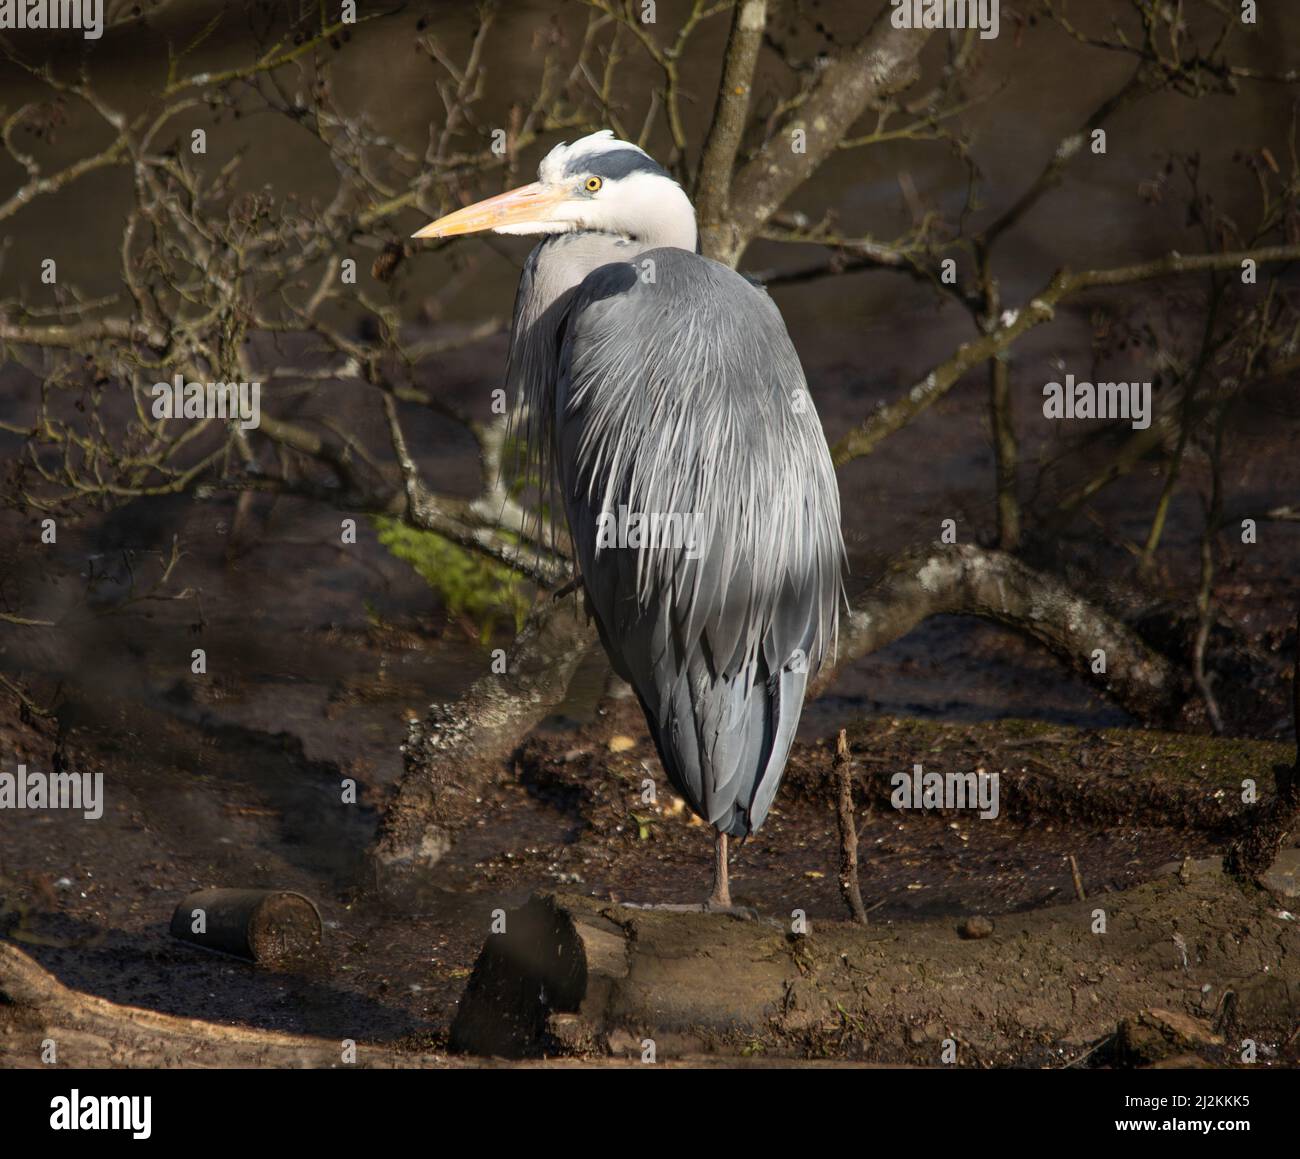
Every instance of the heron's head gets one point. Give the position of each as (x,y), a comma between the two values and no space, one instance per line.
(599,184)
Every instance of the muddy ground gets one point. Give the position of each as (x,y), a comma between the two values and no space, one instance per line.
(91,901)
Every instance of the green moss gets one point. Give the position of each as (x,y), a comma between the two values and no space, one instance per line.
(470,585)
(1220,762)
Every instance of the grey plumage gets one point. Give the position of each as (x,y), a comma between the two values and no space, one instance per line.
(613,165)
(657,384)
(659,381)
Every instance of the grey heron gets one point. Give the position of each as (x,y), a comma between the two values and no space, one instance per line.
(663,395)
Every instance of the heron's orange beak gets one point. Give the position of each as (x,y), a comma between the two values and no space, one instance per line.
(528,203)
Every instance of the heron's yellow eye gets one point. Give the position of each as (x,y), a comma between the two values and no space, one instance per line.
(592,184)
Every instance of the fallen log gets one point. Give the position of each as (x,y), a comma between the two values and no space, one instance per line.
(43,1023)
(258,925)
(573,974)
(37,1011)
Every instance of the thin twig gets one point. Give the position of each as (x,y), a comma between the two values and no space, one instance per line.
(848,831)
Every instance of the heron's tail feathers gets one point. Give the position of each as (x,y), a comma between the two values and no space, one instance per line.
(724,743)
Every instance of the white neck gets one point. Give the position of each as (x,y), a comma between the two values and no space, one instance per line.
(655,212)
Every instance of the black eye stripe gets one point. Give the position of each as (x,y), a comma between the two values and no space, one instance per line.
(612,166)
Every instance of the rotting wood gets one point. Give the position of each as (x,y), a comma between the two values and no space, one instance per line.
(576,974)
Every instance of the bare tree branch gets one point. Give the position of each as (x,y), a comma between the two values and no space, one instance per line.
(1041,308)
(967,580)
(882,62)
(713,181)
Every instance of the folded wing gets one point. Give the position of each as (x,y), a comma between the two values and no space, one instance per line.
(681,409)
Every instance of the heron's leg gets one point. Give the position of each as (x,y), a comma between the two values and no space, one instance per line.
(720,898)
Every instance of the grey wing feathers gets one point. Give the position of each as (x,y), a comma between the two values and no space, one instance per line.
(681,394)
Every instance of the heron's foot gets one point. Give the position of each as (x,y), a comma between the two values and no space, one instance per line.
(665,907)
(744,912)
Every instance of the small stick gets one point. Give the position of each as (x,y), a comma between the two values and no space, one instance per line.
(848,831)
(1078,880)
(1269,823)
